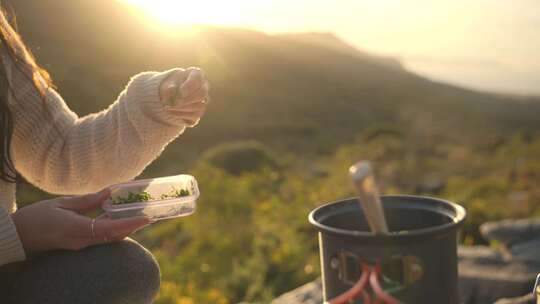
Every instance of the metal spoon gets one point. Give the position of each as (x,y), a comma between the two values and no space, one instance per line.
(368,196)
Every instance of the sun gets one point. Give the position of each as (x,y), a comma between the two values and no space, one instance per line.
(188,13)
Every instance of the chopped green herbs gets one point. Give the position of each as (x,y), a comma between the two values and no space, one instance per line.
(146,197)
(175,193)
(133,198)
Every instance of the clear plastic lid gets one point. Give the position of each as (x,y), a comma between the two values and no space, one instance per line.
(157,198)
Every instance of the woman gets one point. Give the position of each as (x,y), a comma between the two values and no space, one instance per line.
(49,251)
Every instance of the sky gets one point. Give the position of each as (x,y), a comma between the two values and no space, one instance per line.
(491,45)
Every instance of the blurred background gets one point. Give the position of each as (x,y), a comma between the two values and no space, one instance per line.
(441,95)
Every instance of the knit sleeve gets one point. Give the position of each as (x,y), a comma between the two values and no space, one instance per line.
(61,153)
(11,249)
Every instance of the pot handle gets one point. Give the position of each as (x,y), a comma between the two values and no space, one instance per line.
(382,296)
(356,290)
(371,274)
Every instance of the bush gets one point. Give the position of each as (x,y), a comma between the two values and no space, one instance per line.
(240,157)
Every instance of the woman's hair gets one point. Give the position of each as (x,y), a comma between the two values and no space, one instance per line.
(12,44)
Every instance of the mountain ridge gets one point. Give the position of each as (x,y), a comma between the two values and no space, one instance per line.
(332,41)
(292,93)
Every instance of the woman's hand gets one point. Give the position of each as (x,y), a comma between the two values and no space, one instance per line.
(58,224)
(186,92)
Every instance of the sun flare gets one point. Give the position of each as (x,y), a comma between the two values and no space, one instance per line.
(187,13)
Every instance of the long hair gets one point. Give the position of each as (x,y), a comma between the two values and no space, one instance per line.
(24,61)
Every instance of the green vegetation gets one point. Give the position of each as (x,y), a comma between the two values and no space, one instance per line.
(175,193)
(133,198)
(146,197)
(250,239)
(240,157)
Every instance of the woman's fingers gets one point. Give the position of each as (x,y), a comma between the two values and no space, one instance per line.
(191,119)
(85,202)
(188,115)
(183,86)
(195,97)
(103,216)
(192,112)
(186,92)
(191,122)
(190,108)
(193,83)
(168,94)
(109,230)
(169,90)
(84,231)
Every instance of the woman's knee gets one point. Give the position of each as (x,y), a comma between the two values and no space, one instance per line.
(122,272)
(134,270)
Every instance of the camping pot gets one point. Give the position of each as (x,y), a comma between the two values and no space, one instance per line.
(418,259)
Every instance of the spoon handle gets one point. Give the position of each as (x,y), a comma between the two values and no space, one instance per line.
(368,196)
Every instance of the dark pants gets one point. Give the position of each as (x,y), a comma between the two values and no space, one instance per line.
(123,272)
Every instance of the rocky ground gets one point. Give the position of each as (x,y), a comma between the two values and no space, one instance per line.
(504,275)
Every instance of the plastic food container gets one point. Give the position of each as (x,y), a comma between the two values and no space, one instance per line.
(156,198)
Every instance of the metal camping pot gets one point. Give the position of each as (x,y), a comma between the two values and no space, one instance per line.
(418,258)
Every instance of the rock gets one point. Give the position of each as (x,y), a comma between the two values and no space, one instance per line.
(521,238)
(485,281)
(311,293)
(480,254)
(528,299)
(510,232)
(432,185)
(527,251)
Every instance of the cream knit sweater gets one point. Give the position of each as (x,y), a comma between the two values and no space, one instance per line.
(65,154)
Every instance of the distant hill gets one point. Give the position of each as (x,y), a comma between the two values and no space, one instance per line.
(307,93)
(332,42)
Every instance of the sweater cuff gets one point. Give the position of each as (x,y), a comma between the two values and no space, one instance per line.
(147,86)
(11,249)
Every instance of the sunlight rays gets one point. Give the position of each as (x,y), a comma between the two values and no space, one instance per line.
(187,13)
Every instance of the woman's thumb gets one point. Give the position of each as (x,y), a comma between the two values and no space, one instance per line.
(85,202)
(169,87)
(169,91)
